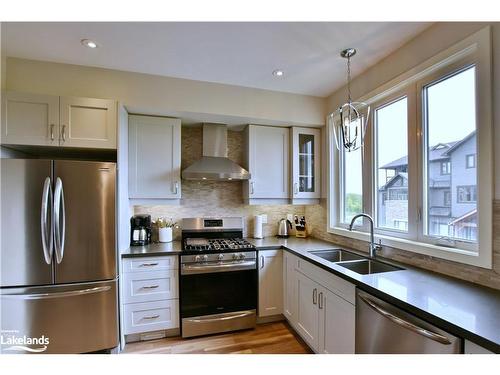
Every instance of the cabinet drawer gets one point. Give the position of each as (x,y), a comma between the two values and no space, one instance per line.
(149,286)
(150,264)
(150,316)
(335,284)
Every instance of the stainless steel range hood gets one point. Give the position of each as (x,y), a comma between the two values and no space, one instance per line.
(214,164)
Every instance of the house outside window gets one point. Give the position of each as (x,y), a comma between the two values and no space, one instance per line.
(421,160)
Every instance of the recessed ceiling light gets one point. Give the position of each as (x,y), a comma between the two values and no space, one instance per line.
(89,43)
(278,73)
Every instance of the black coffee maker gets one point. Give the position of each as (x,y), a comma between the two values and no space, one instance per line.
(140,230)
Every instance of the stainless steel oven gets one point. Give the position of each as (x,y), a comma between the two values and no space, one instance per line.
(218,277)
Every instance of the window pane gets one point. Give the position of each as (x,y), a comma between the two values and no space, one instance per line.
(391,124)
(451,209)
(306,163)
(352,185)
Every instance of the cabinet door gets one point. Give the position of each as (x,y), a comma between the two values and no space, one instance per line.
(306,163)
(307,310)
(154,157)
(270,282)
(290,298)
(88,123)
(268,162)
(30,119)
(336,324)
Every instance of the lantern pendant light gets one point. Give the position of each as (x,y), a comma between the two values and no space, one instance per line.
(351,118)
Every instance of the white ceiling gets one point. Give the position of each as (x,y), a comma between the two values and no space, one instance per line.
(243,54)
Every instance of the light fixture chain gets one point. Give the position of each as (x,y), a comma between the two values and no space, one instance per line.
(349,79)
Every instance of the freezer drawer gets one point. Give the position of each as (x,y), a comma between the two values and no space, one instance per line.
(76,318)
(382,328)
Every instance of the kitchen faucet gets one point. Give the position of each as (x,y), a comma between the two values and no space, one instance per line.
(373,247)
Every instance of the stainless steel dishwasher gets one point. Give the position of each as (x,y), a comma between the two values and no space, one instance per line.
(382,328)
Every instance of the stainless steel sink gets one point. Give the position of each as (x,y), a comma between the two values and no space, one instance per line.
(368,267)
(336,255)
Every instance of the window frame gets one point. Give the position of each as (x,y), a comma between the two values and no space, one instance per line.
(372,170)
(475,49)
(447,172)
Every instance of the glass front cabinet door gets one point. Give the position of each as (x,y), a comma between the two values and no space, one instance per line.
(305,164)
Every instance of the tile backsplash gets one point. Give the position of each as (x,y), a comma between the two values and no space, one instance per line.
(317,217)
(217,198)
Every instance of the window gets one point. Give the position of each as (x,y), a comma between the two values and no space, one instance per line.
(456,129)
(470,161)
(466,194)
(445,166)
(391,129)
(424,179)
(447,198)
(352,185)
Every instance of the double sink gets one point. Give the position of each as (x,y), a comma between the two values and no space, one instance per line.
(354,262)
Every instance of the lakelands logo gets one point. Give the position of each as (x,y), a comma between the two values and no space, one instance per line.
(11,341)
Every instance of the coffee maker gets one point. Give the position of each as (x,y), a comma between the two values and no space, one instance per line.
(140,230)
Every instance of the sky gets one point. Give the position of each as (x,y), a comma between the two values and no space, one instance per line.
(451,112)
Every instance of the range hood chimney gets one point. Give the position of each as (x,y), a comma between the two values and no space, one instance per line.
(214,164)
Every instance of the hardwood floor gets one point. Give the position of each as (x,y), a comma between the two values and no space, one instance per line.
(270,338)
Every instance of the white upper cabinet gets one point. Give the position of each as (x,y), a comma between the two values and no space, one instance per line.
(270,282)
(154,157)
(88,122)
(46,120)
(268,163)
(305,146)
(30,119)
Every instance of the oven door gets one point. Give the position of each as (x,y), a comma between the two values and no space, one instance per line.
(217,301)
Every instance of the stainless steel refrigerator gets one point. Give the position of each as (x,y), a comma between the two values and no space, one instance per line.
(58,256)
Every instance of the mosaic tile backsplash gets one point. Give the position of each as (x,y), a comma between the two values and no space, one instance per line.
(217,198)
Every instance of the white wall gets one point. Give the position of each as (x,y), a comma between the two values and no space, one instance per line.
(164,95)
(425,45)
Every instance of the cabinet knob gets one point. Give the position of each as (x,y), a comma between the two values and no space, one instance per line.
(63,133)
(251,188)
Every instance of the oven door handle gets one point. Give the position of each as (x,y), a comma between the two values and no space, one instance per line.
(221,317)
(217,267)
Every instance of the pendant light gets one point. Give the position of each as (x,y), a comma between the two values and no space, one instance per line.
(351,118)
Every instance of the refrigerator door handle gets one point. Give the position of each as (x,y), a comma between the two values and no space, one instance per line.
(70,293)
(47,234)
(59,225)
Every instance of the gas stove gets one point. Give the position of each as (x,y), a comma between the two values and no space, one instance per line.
(214,235)
(216,244)
(218,277)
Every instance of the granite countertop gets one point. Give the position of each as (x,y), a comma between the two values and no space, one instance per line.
(462,308)
(153,249)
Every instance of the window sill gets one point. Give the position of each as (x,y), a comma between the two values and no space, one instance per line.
(471,258)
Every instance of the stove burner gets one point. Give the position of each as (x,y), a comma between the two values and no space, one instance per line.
(203,244)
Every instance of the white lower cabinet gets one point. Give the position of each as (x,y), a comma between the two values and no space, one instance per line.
(336,324)
(307,312)
(270,282)
(319,305)
(149,294)
(150,316)
(290,264)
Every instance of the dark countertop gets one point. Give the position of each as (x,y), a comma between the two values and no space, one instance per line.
(154,249)
(462,308)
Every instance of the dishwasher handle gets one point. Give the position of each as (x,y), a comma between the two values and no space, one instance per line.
(412,327)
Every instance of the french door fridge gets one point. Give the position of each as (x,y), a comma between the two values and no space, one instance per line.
(58,256)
